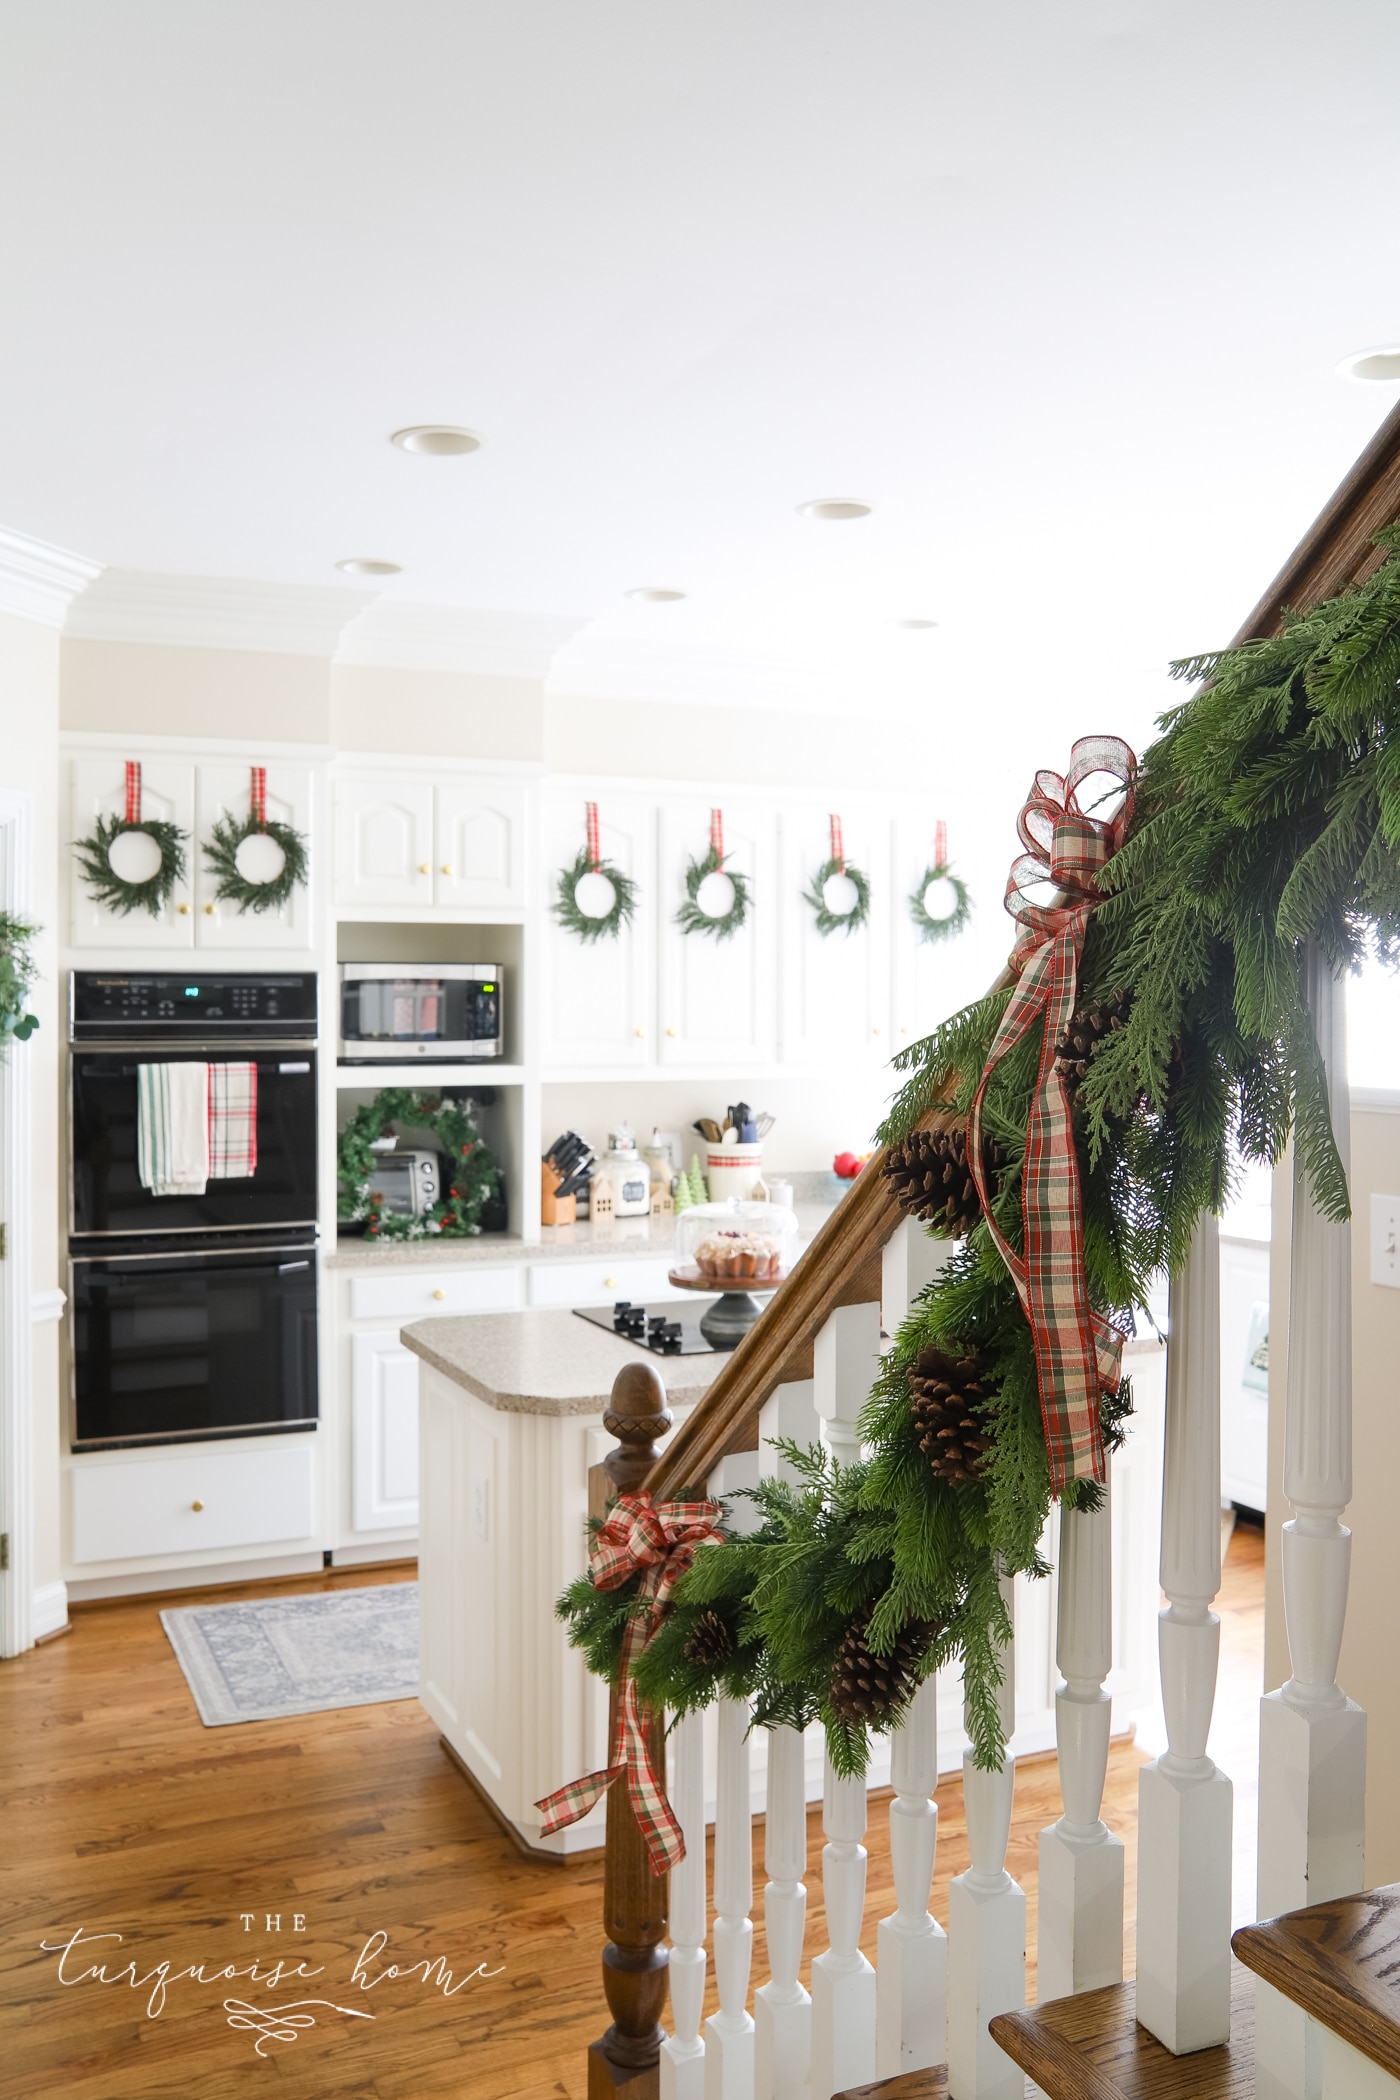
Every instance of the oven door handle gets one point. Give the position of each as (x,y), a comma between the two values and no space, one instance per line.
(285,1268)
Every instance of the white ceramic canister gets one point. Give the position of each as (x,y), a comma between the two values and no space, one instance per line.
(732,1170)
(629,1174)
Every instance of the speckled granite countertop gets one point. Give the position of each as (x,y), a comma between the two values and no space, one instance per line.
(545,1362)
(619,1240)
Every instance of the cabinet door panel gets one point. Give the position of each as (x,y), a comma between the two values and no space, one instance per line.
(384,842)
(98,789)
(479,841)
(835,987)
(599,995)
(718,998)
(225,790)
(384,1398)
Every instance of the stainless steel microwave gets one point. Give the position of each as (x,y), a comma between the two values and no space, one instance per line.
(444,1013)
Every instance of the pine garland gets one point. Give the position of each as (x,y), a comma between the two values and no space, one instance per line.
(1267,818)
(566,906)
(221,857)
(17,974)
(691,919)
(471,1168)
(112,889)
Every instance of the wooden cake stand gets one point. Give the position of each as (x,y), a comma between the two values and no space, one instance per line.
(725,1323)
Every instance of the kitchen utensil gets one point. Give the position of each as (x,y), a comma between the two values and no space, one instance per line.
(708,1129)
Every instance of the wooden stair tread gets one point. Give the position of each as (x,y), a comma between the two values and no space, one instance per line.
(910,2085)
(1091,2048)
(1341,1962)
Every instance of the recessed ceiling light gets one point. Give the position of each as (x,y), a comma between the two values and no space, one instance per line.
(442,440)
(916,623)
(366,565)
(655,594)
(1382,363)
(834,508)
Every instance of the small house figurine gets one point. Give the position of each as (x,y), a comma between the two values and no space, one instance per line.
(600,1202)
(663,1203)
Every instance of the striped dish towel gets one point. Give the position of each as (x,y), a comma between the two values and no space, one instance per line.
(233,1122)
(172,1128)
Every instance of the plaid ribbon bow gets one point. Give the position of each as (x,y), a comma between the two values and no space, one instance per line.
(661,1539)
(1077,1351)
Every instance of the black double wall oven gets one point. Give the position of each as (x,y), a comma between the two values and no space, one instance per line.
(192,1206)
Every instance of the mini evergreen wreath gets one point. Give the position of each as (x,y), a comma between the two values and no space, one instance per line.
(930,928)
(829,921)
(221,855)
(470,1168)
(692,916)
(589,926)
(120,894)
(17,973)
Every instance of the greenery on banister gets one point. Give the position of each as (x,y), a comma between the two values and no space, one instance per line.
(1267,817)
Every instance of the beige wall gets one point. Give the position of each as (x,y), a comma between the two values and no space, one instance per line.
(1368,1670)
(447,714)
(149,689)
(742,744)
(29,689)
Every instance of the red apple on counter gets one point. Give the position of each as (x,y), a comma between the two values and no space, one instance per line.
(846,1165)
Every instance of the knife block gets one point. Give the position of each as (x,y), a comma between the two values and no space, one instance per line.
(554,1210)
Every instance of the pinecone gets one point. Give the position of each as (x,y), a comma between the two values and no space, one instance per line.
(867,1687)
(930,1174)
(709,1642)
(1089,1024)
(948,1393)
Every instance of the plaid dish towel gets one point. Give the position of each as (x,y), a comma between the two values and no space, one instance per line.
(233,1122)
(172,1128)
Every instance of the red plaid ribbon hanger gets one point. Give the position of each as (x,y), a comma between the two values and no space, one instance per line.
(258,796)
(838,849)
(717,833)
(940,844)
(133,791)
(590,818)
(1077,1351)
(661,1539)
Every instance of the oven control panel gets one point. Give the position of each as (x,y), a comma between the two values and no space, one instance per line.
(196,1003)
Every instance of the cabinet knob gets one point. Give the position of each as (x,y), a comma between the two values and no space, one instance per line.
(208,911)
(447,867)
(196,1505)
(439,1294)
(639,1031)
(670,1031)
(425,867)
(874,1031)
(609,1283)
(183,910)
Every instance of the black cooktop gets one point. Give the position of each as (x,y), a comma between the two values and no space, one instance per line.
(667,1329)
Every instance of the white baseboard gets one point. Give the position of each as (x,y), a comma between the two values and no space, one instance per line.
(193,1578)
(50,1608)
(386,1550)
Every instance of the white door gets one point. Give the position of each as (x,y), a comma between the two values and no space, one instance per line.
(98,790)
(384,841)
(384,1455)
(835,986)
(479,841)
(226,791)
(600,995)
(718,998)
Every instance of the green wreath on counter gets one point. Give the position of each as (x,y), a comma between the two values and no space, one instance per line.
(470,1168)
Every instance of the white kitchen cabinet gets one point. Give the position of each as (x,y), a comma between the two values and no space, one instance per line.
(98,789)
(226,790)
(835,998)
(601,1282)
(384,841)
(717,1001)
(203,1498)
(600,996)
(479,845)
(384,1433)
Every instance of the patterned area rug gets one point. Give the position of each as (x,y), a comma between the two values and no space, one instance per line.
(277,1656)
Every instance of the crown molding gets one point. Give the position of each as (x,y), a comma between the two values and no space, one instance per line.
(395,634)
(40,582)
(215,612)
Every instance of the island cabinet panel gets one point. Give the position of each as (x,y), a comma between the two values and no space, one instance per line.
(717,1001)
(600,995)
(384,1407)
(384,841)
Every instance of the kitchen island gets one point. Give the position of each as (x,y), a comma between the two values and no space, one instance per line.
(510,1420)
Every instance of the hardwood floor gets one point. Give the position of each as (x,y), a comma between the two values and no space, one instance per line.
(123,1814)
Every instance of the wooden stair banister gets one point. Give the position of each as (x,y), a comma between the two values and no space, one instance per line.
(1090,2047)
(1337,1960)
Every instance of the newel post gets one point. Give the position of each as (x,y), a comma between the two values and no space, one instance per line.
(625,2061)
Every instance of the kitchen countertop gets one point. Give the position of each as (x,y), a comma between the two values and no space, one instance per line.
(620,1239)
(546,1363)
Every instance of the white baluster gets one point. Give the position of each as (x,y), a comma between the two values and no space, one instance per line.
(986,1923)
(910,1259)
(683,2053)
(1312,1738)
(1185,1805)
(1080,1933)
(729,2033)
(790,1411)
(911,1993)
(843,1982)
(782,2009)
(843,1370)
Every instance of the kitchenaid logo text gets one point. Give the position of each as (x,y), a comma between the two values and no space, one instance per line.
(271,2023)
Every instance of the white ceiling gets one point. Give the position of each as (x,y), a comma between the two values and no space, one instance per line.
(1057,285)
